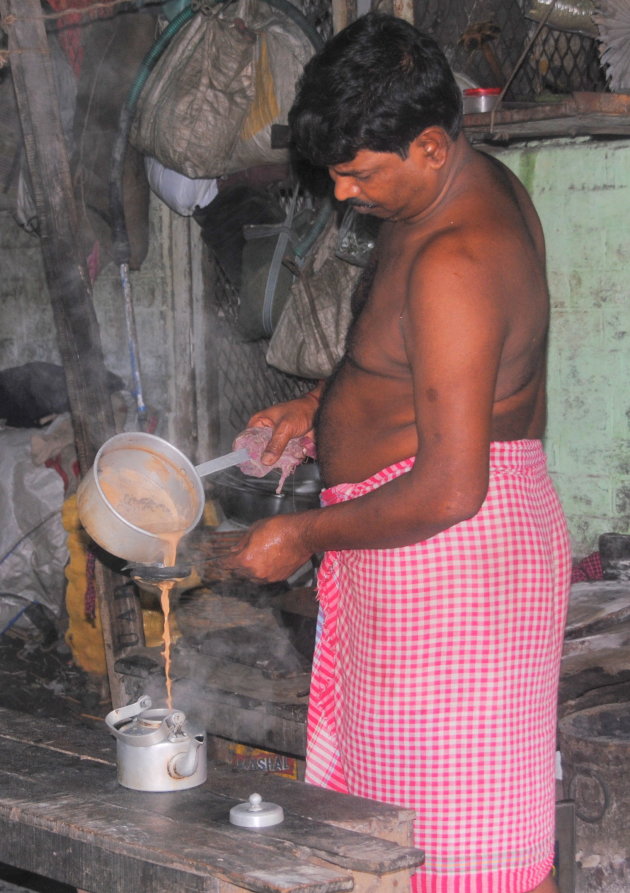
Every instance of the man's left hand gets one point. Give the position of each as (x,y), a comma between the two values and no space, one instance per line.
(270,550)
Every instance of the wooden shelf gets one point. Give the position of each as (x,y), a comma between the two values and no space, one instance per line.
(580,114)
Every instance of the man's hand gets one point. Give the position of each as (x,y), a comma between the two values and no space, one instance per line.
(269,551)
(295,418)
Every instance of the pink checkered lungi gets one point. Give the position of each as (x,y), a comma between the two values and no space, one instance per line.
(435,678)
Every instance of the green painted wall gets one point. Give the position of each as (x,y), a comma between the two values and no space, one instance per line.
(581,189)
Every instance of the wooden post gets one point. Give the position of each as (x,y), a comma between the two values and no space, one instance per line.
(343,12)
(403,9)
(66,273)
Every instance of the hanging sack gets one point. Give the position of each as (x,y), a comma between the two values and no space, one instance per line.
(224,79)
(310,336)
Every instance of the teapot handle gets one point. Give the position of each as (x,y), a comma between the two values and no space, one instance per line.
(120,714)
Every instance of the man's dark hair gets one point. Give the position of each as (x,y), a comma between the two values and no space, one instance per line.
(375,85)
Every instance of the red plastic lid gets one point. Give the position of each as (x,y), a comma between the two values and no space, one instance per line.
(482,91)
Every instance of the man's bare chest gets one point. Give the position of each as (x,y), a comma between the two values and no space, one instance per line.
(376,340)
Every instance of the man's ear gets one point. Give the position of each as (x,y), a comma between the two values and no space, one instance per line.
(431,146)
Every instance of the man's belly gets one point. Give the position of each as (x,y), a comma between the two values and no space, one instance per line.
(365,423)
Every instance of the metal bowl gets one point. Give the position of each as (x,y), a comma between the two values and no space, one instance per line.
(245,499)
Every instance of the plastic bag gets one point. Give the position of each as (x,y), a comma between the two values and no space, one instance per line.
(182,194)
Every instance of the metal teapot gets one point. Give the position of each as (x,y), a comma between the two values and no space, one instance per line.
(157,749)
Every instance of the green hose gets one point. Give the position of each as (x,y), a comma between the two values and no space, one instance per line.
(148,63)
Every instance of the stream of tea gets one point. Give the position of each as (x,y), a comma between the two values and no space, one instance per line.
(144,502)
(166,586)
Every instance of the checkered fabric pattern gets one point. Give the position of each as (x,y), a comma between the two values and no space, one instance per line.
(435,678)
(589,568)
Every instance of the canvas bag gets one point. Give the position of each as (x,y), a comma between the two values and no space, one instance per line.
(310,336)
(224,79)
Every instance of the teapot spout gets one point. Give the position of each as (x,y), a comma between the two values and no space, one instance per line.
(184,764)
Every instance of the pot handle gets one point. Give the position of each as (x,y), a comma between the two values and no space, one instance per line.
(184,764)
(236,457)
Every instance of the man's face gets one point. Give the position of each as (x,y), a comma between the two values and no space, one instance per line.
(381,183)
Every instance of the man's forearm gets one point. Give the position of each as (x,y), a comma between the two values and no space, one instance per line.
(391,516)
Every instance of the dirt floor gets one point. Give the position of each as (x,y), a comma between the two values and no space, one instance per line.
(37,676)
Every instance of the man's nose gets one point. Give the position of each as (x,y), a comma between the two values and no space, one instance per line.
(345,188)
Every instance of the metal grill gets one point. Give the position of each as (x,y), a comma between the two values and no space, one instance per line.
(244,380)
(319,14)
(484,39)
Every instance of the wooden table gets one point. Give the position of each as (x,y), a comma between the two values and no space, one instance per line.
(63,815)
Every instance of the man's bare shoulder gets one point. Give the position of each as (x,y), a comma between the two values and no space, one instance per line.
(484,239)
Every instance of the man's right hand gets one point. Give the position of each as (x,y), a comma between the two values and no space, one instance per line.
(295,418)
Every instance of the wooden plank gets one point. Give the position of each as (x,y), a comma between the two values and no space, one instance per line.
(55,792)
(68,738)
(237,702)
(343,12)
(66,273)
(84,827)
(205,384)
(176,254)
(384,820)
(357,813)
(84,866)
(579,114)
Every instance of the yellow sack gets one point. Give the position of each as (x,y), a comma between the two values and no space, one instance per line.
(84,636)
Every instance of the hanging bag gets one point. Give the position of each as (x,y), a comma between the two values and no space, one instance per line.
(310,336)
(224,79)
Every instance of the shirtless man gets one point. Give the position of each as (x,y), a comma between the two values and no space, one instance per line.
(444,584)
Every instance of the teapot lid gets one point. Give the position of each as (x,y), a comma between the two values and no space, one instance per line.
(256,813)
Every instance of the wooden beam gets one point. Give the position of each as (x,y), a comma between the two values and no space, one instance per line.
(66,272)
(343,12)
(403,9)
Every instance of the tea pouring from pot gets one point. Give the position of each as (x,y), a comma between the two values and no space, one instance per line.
(142,495)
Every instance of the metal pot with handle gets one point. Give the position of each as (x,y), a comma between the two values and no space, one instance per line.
(142,495)
(157,749)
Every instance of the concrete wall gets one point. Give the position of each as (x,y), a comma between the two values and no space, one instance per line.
(582,192)
(581,189)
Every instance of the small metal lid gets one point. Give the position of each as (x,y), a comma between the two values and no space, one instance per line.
(256,813)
